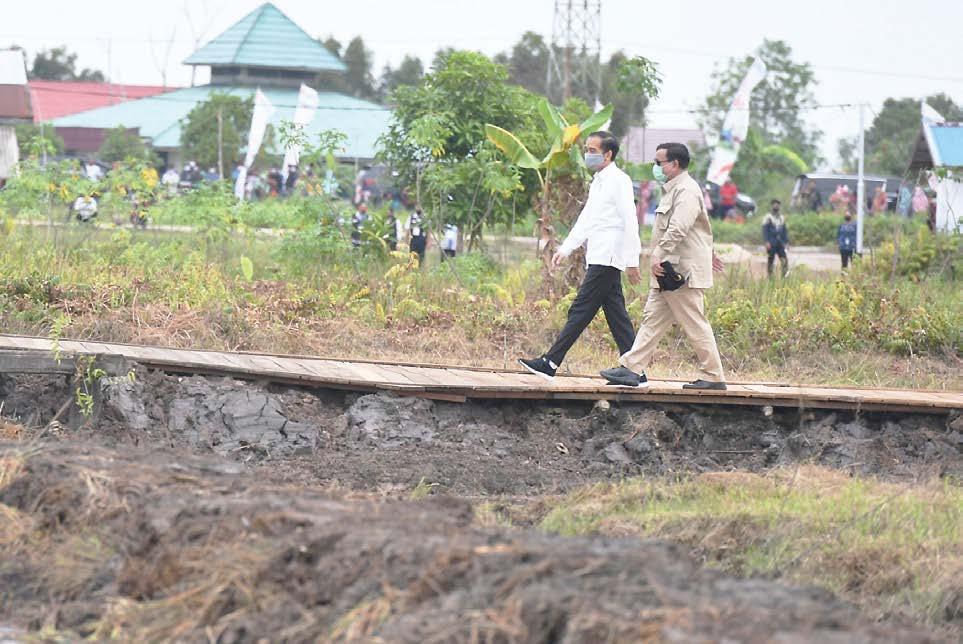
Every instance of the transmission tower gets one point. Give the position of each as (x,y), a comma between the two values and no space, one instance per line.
(573,58)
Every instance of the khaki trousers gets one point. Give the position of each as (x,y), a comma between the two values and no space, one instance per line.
(685,306)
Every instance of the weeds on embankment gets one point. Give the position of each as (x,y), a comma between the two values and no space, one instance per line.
(306,295)
(893,548)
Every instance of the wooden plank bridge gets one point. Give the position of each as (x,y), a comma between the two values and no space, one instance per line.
(458,384)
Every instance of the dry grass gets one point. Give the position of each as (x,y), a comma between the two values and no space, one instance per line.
(894,548)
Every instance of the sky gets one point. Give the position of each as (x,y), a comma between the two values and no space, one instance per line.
(862,51)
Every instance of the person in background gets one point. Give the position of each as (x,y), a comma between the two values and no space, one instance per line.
(815,202)
(682,242)
(776,236)
(391,232)
(609,230)
(291,180)
(727,198)
(846,239)
(358,221)
(904,204)
(449,243)
(642,205)
(921,203)
(417,238)
(169,180)
(879,201)
(839,199)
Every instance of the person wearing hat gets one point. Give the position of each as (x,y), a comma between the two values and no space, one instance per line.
(776,236)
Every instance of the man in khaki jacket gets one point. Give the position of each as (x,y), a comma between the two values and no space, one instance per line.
(682,236)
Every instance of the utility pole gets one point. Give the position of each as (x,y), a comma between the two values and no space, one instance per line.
(860,185)
(220,144)
(576,36)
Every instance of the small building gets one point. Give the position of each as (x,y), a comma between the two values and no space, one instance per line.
(639,143)
(15,108)
(265,50)
(939,151)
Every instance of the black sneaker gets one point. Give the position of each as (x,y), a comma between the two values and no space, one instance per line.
(539,366)
(705,384)
(624,377)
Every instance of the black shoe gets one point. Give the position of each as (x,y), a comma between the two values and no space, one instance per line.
(705,384)
(539,367)
(624,377)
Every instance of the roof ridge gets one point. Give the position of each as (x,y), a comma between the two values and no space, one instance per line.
(260,14)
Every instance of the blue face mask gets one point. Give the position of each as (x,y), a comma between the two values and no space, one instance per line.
(658,174)
(594,160)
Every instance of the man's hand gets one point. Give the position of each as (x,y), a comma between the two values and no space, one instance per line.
(657,269)
(557,259)
(634,275)
(718,265)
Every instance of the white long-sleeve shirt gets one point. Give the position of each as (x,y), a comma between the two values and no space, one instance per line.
(607,224)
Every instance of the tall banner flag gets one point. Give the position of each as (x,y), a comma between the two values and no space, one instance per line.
(263,110)
(736,125)
(303,115)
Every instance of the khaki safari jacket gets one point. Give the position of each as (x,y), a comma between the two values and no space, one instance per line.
(682,233)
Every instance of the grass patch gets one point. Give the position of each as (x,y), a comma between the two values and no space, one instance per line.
(894,549)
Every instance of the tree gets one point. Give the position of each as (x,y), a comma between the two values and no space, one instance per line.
(891,136)
(358,77)
(59,64)
(332,45)
(120,144)
(528,62)
(199,133)
(436,140)
(32,140)
(409,72)
(777,104)
(629,84)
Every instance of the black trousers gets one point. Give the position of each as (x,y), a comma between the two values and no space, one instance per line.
(775,251)
(845,256)
(601,288)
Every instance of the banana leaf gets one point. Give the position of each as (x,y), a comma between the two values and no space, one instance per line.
(514,149)
(554,121)
(597,120)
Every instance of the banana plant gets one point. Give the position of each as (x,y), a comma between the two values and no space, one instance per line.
(563,154)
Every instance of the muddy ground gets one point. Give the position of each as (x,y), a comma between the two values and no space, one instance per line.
(220,510)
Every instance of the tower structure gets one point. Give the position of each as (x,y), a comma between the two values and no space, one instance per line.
(573,64)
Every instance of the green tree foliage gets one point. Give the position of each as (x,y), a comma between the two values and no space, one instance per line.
(629,84)
(527,62)
(779,141)
(778,103)
(890,138)
(199,133)
(120,144)
(32,139)
(436,139)
(60,64)
(358,77)
(409,72)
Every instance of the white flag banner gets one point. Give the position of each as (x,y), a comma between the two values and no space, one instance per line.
(736,125)
(263,110)
(303,115)
(929,114)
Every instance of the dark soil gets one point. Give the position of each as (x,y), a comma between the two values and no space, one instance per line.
(148,545)
(194,509)
(381,442)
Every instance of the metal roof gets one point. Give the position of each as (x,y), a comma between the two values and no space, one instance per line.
(267,38)
(158,118)
(53,99)
(945,141)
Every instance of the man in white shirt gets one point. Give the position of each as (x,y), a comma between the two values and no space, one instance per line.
(609,228)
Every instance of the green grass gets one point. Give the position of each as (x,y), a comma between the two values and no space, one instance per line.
(892,548)
(310,292)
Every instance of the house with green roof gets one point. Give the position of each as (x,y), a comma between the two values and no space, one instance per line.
(265,50)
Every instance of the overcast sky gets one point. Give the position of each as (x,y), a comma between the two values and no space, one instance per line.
(861,50)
